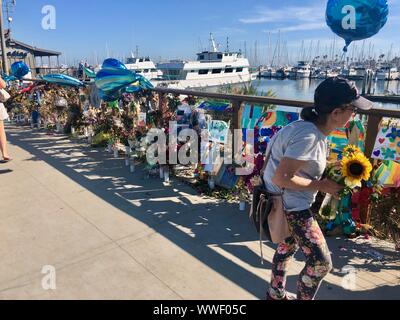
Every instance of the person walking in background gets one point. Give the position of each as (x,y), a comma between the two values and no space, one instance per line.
(4,96)
(297,162)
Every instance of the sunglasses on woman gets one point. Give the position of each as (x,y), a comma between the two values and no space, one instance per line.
(350,107)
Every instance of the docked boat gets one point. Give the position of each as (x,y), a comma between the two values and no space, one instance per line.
(302,70)
(281,73)
(387,72)
(212,68)
(144,66)
(267,73)
(348,73)
(355,72)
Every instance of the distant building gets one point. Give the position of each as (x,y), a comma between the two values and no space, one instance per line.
(32,56)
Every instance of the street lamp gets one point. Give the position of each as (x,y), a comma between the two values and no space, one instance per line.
(3,41)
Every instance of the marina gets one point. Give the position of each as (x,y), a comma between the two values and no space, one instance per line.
(165,173)
(303,89)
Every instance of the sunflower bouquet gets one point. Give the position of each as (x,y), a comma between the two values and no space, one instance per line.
(351,171)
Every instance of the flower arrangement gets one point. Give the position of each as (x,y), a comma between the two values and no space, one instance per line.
(241,190)
(351,171)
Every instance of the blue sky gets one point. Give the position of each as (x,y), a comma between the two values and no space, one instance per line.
(170,29)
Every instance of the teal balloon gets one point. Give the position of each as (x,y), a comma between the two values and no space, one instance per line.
(111,80)
(144,83)
(356,19)
(111,63)
(19,70)
(132,89)
(89,73)
(62,80)
(109,97)
(7,78)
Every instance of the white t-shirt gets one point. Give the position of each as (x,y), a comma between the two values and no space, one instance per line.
(300,140)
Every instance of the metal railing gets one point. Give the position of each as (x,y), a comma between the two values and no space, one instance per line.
(374,116)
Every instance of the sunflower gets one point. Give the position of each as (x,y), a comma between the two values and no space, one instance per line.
(351,150)
(356,168)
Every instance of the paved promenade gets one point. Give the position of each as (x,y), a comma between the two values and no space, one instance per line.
(111,234)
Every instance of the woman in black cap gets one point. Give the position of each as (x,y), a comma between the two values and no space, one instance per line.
(297,162)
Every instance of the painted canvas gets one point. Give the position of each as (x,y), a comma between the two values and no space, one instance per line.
(387,144)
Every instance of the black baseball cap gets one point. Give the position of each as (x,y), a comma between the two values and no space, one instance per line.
(335,92)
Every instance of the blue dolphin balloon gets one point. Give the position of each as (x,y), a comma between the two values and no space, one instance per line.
(110,80)
(144,83)
(89,73)
(19,70)
(62,80)
(356,19)
(111,63)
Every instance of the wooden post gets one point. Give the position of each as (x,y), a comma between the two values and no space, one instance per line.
(236,113)
(372,133)
(163,107)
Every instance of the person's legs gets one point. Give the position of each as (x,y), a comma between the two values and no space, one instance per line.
(280,266)
(312,242)
(3,141)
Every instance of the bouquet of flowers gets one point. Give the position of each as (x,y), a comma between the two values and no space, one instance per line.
(351,170)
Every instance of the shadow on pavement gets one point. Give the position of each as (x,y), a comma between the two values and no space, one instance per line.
(214,224)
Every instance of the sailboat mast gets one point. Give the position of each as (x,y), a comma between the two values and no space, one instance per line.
(279,49)
(301,57)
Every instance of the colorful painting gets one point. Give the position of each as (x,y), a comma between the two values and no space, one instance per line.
(353,133)
(337,142)
(387,144)
(250,116)
(271,122)
(388,174)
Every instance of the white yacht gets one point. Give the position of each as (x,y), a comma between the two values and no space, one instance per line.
(302,70)
(212,68)
(144,67)
(387,72)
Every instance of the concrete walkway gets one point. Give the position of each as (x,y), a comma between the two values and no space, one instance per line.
(111,234)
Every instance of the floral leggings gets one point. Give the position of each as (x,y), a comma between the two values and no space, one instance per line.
(307,235)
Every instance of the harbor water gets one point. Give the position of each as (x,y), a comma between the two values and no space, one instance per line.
(303,89)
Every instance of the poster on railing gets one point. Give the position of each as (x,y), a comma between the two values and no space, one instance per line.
(218,131)
(387,144)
